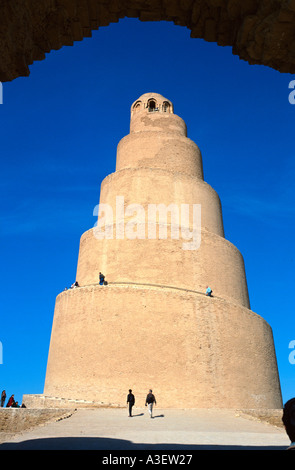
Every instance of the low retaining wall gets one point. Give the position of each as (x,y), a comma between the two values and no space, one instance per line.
(43,401)
(15,420)
(273,417)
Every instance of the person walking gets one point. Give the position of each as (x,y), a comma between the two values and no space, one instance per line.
(150,401)
(131,401)
(3,398)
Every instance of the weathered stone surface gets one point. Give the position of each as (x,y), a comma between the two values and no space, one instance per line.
(15,420)
(259,31)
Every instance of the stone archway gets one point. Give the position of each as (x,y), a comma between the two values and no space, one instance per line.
(259,31)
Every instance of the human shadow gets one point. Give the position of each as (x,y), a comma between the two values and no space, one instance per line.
(99,443)
(158,416)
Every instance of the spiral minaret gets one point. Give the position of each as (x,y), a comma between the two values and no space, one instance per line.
(152,326)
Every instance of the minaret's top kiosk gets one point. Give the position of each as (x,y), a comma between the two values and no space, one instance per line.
(153,112)
(158,139)
(152,102)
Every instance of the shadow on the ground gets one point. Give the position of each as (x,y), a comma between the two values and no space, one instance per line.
(99,443)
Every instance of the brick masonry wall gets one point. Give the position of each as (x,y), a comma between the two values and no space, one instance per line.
(261,32)
(194,351)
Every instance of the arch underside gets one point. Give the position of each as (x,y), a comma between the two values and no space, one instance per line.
(259,31)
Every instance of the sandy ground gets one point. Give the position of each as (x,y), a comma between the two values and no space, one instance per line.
(170,429)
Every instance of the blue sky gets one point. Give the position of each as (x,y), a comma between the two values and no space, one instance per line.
(59,131)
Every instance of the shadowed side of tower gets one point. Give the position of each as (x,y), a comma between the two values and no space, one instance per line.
(153,325)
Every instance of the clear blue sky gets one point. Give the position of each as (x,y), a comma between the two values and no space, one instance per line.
(59,131)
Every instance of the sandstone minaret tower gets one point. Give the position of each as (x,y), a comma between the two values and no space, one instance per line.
(153,326)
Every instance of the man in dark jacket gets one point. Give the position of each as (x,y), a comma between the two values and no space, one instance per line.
(149,401)
(101,279)
(131,401)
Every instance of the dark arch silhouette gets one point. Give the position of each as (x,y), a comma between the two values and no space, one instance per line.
(259,31)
